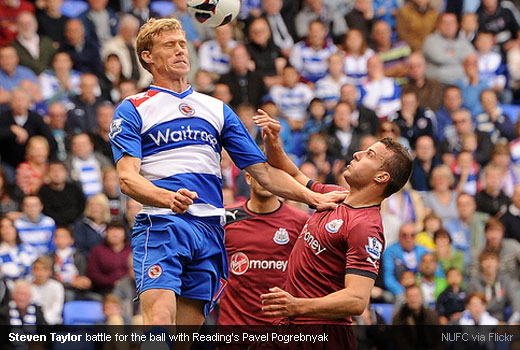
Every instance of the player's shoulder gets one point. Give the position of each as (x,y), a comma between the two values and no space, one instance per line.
(206,101)
(293,213)
(364,218)
(235,213)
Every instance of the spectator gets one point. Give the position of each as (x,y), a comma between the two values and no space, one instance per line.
(267,56)
(429,91)
(501,158)
(401,256)
(391,130)
(413,313)
(508,250)
(413,121)
(451,102)
(113,311)
(386,11)
(500,290)
(317,120)
(444,52)
(82,117)
(123,46)
(447,256)
(22,310)
(431,285)
(57,117)
(493,120)
(246,85)
(60,83)
(342,138)
(500,18)
(51,21)
(100,136)
(491,199)
(214,54)
(17,126)
(116,200)
(429,224)
(316,10)
(310,56)
(281,26)
(70,266)
(4,302)
(35,51)
(91,228)
(379,92)
(361,17)
(362,117)
(33,172)
(140,9)
(125,290)
(47,292)
(62,200)
(406,205)
(465,169)
(467,230)
(292,97)
(35,228)
(111,79)
(475,313)
(9,12)
(84,53)
(394,55)
(14,76)
(317,155)
(100,22)
(424,162)
(357,54)
(9,195)
(133,208)
(223,93)
(511,219)
(415,21)
(107,263)
(328,88)
(442,198)
(472,86)
(490,66)
(515,145)
(452,301)
(86,165)
(16,258)
(453,143)
(188,22)
(469,24)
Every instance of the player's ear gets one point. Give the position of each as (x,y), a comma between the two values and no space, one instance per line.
(382,177)
(248,178)
(147,56)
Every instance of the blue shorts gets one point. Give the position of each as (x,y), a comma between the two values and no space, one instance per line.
(185,255)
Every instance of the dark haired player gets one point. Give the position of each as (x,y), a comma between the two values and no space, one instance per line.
(260,235)
(335,261)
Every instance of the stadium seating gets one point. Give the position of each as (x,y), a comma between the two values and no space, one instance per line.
(385,310)
(82,312)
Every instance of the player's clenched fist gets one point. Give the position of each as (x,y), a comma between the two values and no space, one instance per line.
(181,200)
(279,303)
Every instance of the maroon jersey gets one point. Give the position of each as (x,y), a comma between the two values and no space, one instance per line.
(332,244)
(258,248)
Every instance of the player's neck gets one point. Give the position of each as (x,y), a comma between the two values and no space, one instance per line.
(177,85)
(359,198)
(263,205)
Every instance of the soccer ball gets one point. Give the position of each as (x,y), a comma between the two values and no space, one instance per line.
(214,13)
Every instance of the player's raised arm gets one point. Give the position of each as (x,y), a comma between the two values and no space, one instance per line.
(142,190)
(276,156)
(350,301)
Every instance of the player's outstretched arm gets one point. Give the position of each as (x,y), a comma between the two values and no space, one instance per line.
(275,154)
(142,190)
(282,184)
(350,301)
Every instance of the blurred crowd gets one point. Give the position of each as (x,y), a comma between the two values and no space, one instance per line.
(442,77)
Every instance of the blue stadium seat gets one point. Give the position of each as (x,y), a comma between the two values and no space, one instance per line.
(73,8)
(385,310)
(164,8)
(82,312)
(511,111)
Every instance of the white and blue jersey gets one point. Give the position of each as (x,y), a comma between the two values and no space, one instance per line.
(39,234)
(179,138)
(311,64)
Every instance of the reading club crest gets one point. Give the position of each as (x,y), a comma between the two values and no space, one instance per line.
(281,236)
(374,249)
(154,271)
(115,128)
(334,225)
(186,110)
